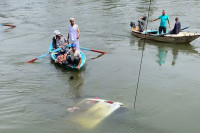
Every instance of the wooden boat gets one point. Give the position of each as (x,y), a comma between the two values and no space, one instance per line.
(53,56)
(182,37)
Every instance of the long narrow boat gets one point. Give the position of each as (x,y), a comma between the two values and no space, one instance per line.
(53,57)
(182,37)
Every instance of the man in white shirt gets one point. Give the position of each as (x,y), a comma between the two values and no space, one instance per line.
(73,34)
(75,58)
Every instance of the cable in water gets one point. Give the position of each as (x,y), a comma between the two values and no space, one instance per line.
(141,59)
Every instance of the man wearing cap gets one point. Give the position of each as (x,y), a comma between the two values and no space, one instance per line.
(75,58)
(73,34)
(163,22)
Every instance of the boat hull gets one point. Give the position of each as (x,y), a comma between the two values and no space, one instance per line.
(53,57)
(182,37)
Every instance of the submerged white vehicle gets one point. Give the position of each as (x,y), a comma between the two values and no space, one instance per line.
(91,111)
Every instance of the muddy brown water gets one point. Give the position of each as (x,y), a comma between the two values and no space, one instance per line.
(35,97)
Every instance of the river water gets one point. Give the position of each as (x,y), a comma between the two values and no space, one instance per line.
(34,97)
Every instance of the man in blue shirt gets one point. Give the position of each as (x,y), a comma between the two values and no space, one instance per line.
(163,22)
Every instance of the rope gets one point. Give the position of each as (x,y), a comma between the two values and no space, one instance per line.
(141,58)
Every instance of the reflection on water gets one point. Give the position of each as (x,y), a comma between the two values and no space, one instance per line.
(6,29)
(143,7)
(161,56)
(175,54)
(75,82)
(35,97)
(164,49)
(98,56)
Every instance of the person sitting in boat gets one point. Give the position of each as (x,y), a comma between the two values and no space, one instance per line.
(177,27)
(142,23)
(163,23)
(74,58)
(59,42)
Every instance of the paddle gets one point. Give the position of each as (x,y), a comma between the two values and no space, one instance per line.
(9,25)
(98,51)
(87,49)
(42,56)
(185,28)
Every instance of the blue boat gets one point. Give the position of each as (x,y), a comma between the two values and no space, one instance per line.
(53,57)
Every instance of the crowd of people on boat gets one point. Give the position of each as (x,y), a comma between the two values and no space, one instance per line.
(164,19)
(70,50)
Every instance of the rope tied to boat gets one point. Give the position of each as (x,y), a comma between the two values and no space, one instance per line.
(138,81)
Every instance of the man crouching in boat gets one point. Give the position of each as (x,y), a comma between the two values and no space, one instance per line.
(74,59)
(142,23)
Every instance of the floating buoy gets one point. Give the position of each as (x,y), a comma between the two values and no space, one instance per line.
(71,77)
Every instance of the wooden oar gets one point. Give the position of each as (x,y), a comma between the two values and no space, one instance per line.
(42,56)
(87,49)
(9,25)
(98,51)
(93,50)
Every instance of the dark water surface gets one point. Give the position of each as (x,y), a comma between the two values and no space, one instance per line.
(34,98)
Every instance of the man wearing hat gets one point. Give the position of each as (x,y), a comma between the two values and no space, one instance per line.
(75,58)
(58,40)
(73,34)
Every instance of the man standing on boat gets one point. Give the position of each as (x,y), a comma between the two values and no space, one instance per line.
(73,34)
(163,22)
